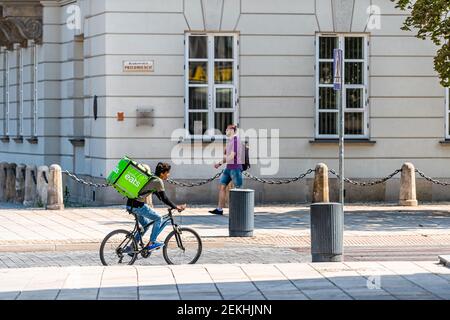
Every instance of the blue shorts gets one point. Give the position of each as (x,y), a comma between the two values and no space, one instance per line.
(231,174)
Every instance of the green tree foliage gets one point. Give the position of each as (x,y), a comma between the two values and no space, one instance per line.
(431,19)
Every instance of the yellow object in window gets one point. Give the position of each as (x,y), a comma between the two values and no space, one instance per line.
(223,74)
(199,75)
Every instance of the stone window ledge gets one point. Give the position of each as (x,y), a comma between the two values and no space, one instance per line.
(445,142)
(18,139)
(32,140)
(346,141)
(206,140)
(77,142)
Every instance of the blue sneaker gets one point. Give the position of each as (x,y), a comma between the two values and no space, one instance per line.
(155,246)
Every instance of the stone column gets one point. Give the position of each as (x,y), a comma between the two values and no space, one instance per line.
(10,190)
(30,186)
(321,191)
(408,185)
(20,183)
(3,169)
(55,189)
(41,186)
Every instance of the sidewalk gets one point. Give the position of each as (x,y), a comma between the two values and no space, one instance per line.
(24,229)
(295,281)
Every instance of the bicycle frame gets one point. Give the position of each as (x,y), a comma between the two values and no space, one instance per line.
(166,219)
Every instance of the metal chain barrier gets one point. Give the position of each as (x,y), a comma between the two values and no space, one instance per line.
(88,183)
(278,181)
(200,183)
(266,181)
(194,184)
(423,175)
(367,184)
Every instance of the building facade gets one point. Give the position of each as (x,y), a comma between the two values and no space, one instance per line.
(85,82)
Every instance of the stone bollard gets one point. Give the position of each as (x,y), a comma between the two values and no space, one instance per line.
(408,185)
(30,186)
(41,186)
(20,183)
(3,169)
(10,190)
(321,191)
(55,189)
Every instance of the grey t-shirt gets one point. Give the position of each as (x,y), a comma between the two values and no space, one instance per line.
(155,185)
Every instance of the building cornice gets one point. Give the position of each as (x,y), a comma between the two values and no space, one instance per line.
(20,21)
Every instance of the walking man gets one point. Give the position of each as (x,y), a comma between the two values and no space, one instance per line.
(233,171)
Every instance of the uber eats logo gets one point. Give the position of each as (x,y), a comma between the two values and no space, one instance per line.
(133,180)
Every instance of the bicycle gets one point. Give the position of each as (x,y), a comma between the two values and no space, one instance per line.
(177,244)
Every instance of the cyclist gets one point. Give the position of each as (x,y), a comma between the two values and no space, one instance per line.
(146,214)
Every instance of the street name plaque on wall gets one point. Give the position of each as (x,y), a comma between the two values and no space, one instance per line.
(138,66)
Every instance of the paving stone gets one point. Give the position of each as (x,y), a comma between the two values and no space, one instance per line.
(38,295)
(9,295)
(314,284)
(328,294)
(246,296)
(78,294)
(200,296)
(159,297)
(285,296)
(415,297)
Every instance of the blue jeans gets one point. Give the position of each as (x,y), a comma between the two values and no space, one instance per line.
(145,215)
(232,174)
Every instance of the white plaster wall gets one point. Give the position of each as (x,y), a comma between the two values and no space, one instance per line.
(277,85)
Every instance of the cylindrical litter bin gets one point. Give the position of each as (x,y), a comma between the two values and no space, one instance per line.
(241,218)
(327,232)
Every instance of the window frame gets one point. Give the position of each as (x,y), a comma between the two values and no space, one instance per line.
(212,86)
(365,110)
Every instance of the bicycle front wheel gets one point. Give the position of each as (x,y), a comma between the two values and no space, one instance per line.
(118,248)
(182,246)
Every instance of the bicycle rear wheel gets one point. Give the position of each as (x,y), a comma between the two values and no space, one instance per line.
(113,247)
(183,247)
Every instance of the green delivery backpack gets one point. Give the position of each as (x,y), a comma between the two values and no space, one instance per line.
(129,177)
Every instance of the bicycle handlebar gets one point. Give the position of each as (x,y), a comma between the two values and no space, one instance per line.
(171,209)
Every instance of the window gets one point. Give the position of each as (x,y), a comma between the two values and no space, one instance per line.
(211,83)
(354,89)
